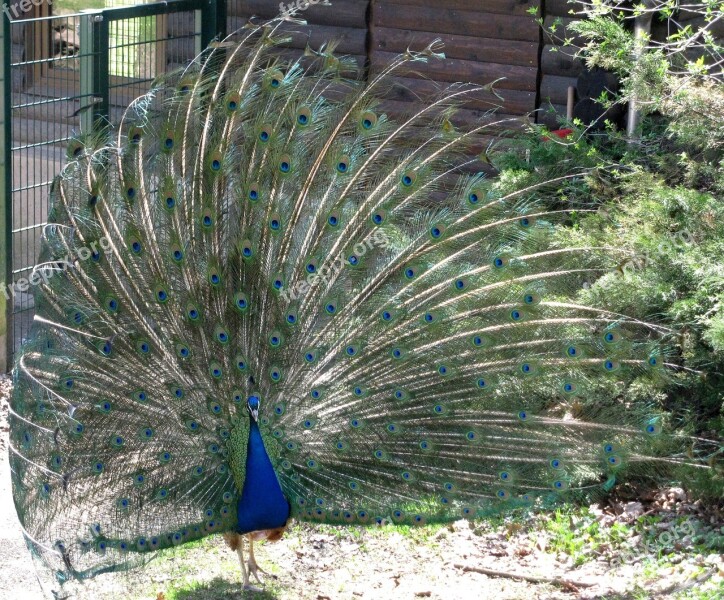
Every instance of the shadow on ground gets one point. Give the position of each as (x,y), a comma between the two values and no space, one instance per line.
(221,588)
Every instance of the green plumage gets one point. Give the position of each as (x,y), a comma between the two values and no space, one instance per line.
(263,228)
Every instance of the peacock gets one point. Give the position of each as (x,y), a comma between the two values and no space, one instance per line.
(261,298)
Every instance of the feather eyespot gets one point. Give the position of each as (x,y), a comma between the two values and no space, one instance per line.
(285,164)
(274,79)
(221,335)
(379,217)
(527,222)
(246,250)
(437,231)
(368,120)
(653,428)
(168,141)
(161,294)
(569,387)
(304,116)
(276,339)
(254,194)
(241,301)
(75,149)
(343,164)
(214,161)
(216,370)
(111,304)
(207,219)
(265,133)
(233,100)
(500,262)
(333,219)
(193,313)
(408,178)
(134,135)
(531,299)
(474,197)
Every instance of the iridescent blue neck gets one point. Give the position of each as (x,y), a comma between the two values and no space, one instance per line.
(262,504)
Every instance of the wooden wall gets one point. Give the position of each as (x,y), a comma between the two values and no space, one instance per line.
(345,21)
(483,42)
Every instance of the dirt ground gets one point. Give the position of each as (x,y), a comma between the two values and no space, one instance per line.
(324,563)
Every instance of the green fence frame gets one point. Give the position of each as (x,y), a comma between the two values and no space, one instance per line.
(210,19)
(94,98)
(6,209)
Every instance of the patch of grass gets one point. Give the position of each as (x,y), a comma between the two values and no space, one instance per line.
(714,593)
(203,569)
(75,6)
(578,534)
(218,588)
(418,535)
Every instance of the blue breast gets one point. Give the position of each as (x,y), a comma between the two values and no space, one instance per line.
(262,504)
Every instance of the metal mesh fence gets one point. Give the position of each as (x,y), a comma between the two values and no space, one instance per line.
(45,105)
(61,74)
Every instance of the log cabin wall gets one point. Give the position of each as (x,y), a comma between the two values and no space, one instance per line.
(484,41)
(346,21)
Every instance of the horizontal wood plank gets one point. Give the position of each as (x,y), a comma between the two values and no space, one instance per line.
(504,7)
(450,70)
(408,89)
(513,52)
(459,22)
(342,13)
(350,40)
(496,122)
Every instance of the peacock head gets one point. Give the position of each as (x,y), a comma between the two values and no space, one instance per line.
(253,405)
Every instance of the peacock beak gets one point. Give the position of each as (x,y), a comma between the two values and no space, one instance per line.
(254,413)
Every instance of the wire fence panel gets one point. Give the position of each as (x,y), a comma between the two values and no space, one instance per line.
(63,75)
(44,104)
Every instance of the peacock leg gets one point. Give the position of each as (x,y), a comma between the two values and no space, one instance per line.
(251,564)
(240,552)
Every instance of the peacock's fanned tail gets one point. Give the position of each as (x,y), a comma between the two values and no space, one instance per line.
(261,227)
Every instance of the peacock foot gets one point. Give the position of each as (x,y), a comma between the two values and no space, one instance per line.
(252,567)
